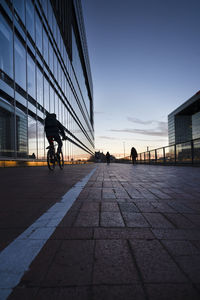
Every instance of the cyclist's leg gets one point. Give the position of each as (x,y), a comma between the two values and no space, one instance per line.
(59,141)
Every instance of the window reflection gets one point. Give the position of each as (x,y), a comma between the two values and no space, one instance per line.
(19,6)
(6,47)
(45,45)
(38,33)
(32,146)
(46,94)
(39,87)
(6,123)
(30,18)
(51,100)
(20,63)
(21,133)
(40,129)
(31,76)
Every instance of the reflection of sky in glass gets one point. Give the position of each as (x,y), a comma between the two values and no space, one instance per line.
(6,47)
(20,64)
(31,76)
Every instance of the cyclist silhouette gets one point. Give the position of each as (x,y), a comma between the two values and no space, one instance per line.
(54,129)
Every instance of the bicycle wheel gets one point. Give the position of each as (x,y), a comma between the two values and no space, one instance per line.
(61,160)
(51,160)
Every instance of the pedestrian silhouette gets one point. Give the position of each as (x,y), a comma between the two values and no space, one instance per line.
(108,158)
(133,155)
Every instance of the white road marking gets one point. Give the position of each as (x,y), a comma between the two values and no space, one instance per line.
(16,258)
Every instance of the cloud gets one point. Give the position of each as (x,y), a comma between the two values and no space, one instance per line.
(138,121)
(98,112)
(107,138)
(160,130)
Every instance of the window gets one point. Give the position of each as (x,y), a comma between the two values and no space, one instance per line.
(20,8)
(46,94)
(40,128)
(50,57)
(51,100)
(6,134)
(31,76)
(30,18)
(20,63)
(45,45)
(21,133)
(32,146)
(6,47)
(38,33)
(39,87)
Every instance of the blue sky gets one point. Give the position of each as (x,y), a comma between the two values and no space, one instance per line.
(145,62)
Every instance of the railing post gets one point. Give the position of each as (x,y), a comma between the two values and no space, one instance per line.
(192,151)
(155,156)
(164,161)
(175,154)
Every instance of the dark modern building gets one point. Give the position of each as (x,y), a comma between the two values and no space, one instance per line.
(44,67)
(184,122)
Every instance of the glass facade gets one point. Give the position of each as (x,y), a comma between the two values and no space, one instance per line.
(43,69)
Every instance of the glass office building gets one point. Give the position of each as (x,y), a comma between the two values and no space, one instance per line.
(44,67)
(184,122)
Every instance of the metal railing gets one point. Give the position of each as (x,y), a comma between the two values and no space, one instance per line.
(180,153)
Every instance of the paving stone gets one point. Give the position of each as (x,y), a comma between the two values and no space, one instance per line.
(70,293)
(87,219)
(108,193)
(180,247)
(163,207)
(121,292)
(180,207)
(90,206)
(171,292)
(134,220)
(145,207)
(194,218)
(24,293)
(191,266)
(180,221)
(123,233)
(177,234)
(72,233)
(113,263)
(111,219)
(109,206)
(157,220)
(121,193)
(155,263)
(128,207)
(72,264)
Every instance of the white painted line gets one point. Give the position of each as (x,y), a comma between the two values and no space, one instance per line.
(16,258)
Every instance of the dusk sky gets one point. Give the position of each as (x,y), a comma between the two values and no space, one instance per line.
(145,62)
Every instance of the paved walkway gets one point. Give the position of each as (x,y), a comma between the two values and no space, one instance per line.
(133,233)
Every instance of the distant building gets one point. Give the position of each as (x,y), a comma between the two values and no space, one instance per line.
(184,122)
(44,67)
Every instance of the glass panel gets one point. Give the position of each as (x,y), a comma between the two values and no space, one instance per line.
(50,13)
(196,148)
(51,100)
(6,47)
(170,154)
(46,94)
(45,45)
(40,141)
(30,18)
(39,87)
(50,57)
(32,145)
(55,67)
(20,8)
(184,153)
(160,155)
(7,141)
(20,64)
(38,33)
(31,76)
(21,133)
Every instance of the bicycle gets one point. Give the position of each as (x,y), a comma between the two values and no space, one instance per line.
(53,157)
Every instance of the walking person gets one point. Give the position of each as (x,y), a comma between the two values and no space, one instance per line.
(108,158)
(133,155)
